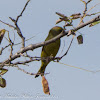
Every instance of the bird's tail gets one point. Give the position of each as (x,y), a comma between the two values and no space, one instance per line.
(41,71)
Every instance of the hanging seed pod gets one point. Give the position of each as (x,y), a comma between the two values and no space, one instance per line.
(45,85)
(80,39)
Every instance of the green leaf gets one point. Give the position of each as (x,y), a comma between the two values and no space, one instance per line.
(95,23)
(3,71)
(80,39)
(2,82)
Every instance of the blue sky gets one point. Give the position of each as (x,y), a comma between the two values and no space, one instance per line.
(65,82)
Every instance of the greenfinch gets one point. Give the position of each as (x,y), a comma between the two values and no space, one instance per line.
(50,49)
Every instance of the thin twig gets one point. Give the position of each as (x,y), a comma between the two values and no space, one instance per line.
(25,40)
(19,32)
(77,67)
(17,27)
(68,48)
(7,24)
(11,46)
(3,48)
(85,3)
(22,11)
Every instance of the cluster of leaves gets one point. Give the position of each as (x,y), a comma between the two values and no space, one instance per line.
(69,22)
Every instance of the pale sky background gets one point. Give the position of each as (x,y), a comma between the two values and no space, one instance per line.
(66,83)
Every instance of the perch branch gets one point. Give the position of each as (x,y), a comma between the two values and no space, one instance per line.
(34,46)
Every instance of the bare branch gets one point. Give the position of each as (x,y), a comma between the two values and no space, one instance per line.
(22,11)
(7,24)
(19,32)
(11,46)
(17,27)
(34,46)
(68,48)
(85,3)
(4,48)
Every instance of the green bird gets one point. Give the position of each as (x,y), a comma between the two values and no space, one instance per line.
(50,49)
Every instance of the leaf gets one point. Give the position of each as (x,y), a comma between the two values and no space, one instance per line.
(68,24)
(3,71)
(59,14)
(59,20)
(80,39)
(75,16)
(2,32)
(95,23)
(62,18)
(45,85)
(2,82)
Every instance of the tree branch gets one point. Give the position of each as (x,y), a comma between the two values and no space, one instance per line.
(22,11)
(17,27)
(34,46)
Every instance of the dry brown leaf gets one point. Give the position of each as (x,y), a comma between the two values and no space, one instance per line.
(76,16)
(2,32)
(45,85)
